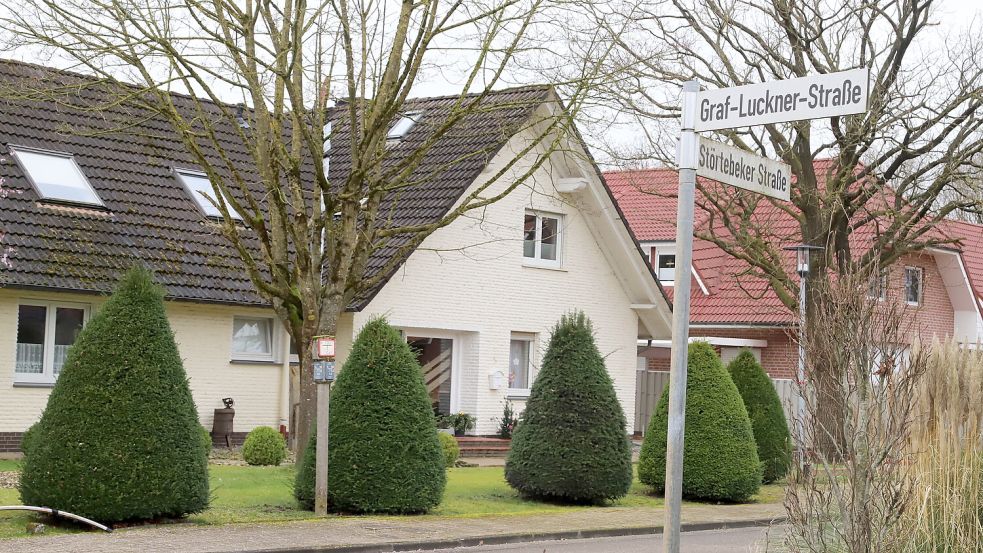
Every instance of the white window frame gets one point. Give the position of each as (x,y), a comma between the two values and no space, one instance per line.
(882,285)
(921,285)
(15,149)
(47,375)
(537,260)
(238,356)
(200,202)
(404,125)
(658,256)
(530,340)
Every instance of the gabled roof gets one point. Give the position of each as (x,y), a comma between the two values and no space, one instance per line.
(149,216)
(737,295)
(449,168)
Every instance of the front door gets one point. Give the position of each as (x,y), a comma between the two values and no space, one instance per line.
(436,356)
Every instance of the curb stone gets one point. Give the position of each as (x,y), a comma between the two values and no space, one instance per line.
(525,537)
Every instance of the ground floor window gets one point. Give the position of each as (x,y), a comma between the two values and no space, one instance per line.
(252,339)
(520,362)
(45,333)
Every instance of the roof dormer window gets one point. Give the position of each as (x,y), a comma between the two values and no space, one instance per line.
(55,176)
(201,190)
(403,126)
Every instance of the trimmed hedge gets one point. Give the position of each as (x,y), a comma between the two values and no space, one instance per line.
(720,458)
(120,439)
(451,449)
(384,454)
(206,440)
(264,446)
(571,443)
(764,408)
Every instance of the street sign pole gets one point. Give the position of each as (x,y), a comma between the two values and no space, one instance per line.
(324,355)
(321,451)
(688,152)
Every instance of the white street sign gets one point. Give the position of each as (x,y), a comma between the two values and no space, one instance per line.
(812,97)
(743,169)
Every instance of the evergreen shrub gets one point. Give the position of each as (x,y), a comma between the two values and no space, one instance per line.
(384,454)
(119,439)
(264,446)
(571,443)
(450,448)
(720,458)
(764,408)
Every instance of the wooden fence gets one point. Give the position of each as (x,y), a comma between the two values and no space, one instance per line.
(649,386)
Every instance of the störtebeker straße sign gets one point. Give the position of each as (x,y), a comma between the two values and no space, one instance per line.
(743,169)
(827,95)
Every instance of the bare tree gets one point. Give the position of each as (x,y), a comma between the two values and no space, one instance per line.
(892,175)
(896,168)
(288,60)
(856,498)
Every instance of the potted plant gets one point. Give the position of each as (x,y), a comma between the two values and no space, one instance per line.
(462,423)
(445,423)
(508,421)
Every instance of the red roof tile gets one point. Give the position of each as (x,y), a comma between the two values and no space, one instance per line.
(737,295)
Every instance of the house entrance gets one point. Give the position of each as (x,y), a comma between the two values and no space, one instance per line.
(436,356)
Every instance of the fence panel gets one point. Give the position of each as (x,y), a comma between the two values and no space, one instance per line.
(649,386)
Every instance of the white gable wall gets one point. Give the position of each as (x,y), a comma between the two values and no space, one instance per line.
(470,279)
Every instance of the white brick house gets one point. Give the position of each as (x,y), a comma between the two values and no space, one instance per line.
(479,289)
(477,299)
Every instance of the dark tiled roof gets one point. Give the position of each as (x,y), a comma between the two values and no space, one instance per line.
(451,165)
(150,219)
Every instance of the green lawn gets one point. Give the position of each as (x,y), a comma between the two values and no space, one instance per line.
(264,494)
(8,465)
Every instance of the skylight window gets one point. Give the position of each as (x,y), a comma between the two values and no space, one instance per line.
(200,188)
(404,125)
(55,176)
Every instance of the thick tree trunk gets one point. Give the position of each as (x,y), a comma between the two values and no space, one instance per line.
(824,372)
(307,409)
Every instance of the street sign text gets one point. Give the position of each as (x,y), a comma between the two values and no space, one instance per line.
(743,169)
(811,97)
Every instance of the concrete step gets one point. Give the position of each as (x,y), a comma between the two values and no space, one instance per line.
(480,446)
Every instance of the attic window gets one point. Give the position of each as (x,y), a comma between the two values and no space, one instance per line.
(200,188)
(55,176)
(404,125)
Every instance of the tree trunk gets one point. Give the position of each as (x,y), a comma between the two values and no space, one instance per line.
(307,410)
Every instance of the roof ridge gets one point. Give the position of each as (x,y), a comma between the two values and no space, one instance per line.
(544,87)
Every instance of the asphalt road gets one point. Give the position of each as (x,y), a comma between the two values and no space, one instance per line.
(739,540)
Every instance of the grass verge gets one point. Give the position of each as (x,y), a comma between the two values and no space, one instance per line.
(245,494)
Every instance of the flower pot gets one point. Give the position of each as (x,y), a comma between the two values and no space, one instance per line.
(458,432)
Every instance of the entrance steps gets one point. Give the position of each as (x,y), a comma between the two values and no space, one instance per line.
(480,446)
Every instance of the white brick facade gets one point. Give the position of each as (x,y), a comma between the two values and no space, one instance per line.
(471,282)
(203,333)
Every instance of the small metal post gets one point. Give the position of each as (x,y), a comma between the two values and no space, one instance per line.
(688,151)
(321,451)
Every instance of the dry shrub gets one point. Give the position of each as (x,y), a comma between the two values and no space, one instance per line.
(900,467)
(947,456)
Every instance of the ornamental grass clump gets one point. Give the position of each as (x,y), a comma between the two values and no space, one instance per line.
(720,458)
(264,446)
(571,443)
(946,470)
(119,439)
(764,408)
(384,454)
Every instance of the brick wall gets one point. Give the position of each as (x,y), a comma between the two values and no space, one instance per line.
(10,442)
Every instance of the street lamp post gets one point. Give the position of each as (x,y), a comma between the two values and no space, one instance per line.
(802,253)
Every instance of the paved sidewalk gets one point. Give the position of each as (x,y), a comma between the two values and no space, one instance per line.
(351,531)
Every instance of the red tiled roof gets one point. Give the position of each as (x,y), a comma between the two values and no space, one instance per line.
(971,243)
(736,294)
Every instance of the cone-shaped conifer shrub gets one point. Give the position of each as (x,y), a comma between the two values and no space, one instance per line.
(764,408)
(571,443)
(384,454)
(720,458)
(120,438)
